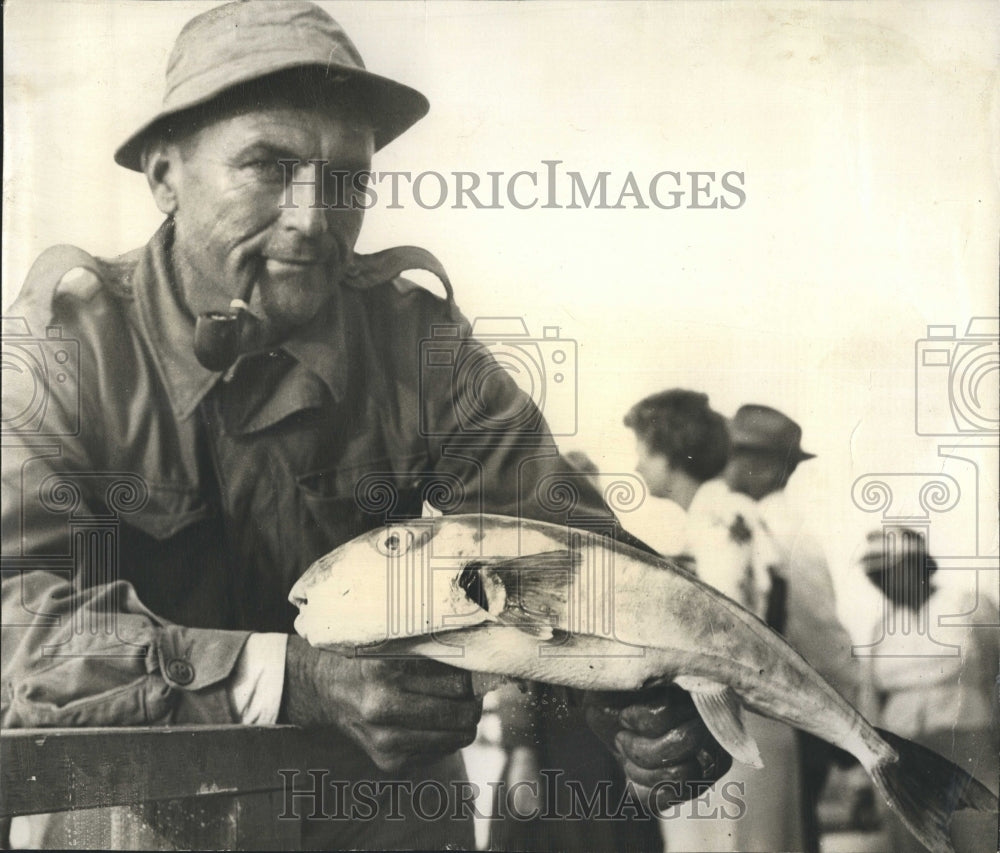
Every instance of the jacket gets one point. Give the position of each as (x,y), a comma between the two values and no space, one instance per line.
(155,512)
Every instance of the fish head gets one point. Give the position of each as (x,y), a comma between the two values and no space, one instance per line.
(403,579)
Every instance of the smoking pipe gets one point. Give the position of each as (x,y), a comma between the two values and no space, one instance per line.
(221,336)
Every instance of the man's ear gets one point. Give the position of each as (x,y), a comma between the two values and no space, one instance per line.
(161,163)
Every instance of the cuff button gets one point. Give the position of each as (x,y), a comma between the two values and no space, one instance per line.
(180,671)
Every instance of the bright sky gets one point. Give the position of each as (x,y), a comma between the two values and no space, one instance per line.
(866,134)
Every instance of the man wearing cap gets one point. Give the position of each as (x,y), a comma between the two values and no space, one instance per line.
(247,396)
(949,702)
(766,450)
(682,446)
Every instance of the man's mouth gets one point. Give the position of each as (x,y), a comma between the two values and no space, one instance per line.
(277,264)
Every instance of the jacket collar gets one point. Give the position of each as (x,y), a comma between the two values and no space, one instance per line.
(322,346)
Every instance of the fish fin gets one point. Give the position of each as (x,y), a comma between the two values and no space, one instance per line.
(526,622)
(536,588)
(925,789)
(722,712)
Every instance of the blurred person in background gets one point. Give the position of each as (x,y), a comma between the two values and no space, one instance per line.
(948,702)
(682,447)
(765,452)
(543,728)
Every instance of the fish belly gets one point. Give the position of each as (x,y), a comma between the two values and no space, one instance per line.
(582,661)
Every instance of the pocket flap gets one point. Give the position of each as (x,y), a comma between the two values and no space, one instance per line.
(170,509)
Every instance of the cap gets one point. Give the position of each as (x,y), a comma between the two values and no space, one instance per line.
(903,547)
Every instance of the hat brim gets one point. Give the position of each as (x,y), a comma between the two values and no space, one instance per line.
(800,454)
(394,107)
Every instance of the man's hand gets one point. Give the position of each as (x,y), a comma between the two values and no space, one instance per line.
(660,740)
(401,712)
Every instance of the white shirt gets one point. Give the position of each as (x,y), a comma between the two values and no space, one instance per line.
(811,626)
(918,694)
(731,547)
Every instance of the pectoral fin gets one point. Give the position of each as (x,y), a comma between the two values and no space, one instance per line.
(535,589)
(721,711)
(529,623)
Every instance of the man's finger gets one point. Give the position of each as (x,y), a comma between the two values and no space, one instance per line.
(674,773)
(604,722)
(427,713)
(392,742)
(609,700)
(680,744)
(426,677)
(660,795)
(658,711)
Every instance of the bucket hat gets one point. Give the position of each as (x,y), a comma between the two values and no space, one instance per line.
(243,41)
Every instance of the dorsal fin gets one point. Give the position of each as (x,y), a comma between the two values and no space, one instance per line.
(367,271)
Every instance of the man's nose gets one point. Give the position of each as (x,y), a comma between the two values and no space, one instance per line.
(304,208)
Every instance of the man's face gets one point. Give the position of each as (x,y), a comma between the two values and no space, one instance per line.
(653,468)
(238,223)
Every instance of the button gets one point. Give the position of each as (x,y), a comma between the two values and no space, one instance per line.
(180,671)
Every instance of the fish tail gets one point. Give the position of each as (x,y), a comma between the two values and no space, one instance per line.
(925,789)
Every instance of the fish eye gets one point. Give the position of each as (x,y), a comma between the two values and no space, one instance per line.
(393,543)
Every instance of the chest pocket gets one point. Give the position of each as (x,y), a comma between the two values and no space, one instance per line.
(341,503)
(168,509)
(172,551)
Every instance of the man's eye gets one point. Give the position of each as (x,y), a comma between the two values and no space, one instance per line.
(269,169)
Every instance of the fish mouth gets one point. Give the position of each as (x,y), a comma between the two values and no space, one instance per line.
(298,595)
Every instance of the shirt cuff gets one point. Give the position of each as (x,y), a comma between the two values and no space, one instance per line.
(258,678)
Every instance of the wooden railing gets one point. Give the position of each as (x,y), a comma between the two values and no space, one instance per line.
(198,787)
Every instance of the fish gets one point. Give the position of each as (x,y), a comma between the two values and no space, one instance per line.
(522,599)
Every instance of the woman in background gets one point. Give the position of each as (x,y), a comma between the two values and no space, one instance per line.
(683,446)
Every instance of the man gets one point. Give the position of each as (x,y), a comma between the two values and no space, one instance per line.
(949,704)
(249,395)
(766,452)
